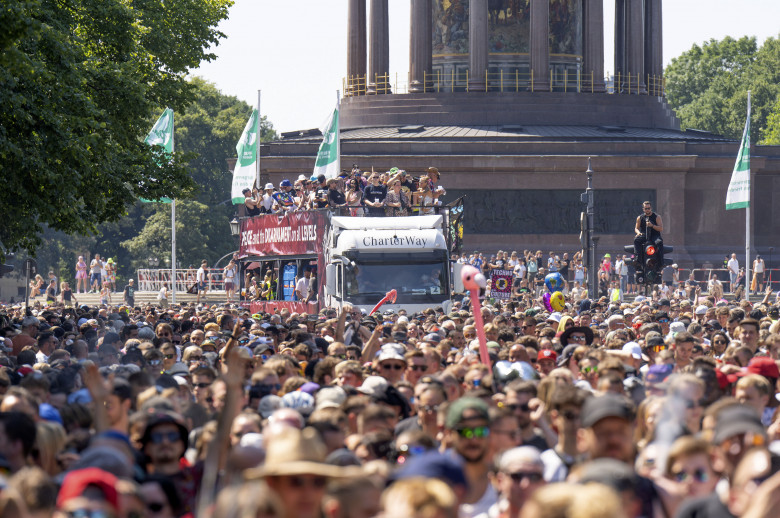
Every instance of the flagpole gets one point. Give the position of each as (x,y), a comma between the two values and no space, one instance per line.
(173,229)
(747,214)
(257,177)
(338,135)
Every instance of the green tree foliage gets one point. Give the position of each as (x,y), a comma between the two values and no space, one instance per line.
(772,133)
(707,85)
(206,131)
(210,128)
(80,83)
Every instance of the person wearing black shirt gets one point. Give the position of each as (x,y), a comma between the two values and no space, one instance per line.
(129,293)
(374,196)
(336,198)
(648,229)
(321,193)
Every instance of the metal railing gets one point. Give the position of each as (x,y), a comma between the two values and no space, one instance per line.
(150,279)
(506,81)
(702,277)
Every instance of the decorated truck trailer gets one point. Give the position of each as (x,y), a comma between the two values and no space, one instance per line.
(354,260)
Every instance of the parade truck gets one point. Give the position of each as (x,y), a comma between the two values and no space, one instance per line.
(355,260)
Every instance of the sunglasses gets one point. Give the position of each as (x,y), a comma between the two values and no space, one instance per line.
(663,321)
(658,348)
(308,482)
(690,403)
(577,338)
(169,356)
(476,432)
(194,359)
(531,476)
(87,513)
(588,370)
(201,385)
(429,408)
(421,368)
(160,437)
(393,366)
(155,507)
(699,475)
(406,450)
(154,363)
(514,407)
(720,342)
(570,416)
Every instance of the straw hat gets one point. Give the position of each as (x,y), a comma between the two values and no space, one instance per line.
(298,452)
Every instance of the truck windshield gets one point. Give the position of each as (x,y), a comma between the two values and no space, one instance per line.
(417,277)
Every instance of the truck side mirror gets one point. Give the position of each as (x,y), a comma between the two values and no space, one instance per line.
(457,280)
(331,271)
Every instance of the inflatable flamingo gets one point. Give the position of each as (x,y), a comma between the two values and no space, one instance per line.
(474,281)
(390,297)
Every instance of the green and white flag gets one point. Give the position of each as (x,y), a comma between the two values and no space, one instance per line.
(738,195)
(328,155)
(162,135)
(245,171)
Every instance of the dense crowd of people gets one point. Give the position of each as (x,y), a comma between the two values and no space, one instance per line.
(357,193)
(652,407)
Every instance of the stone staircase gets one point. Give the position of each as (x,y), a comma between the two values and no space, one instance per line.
(143,298)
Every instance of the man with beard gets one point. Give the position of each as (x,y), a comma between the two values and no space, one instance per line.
(164,443)
(519,394)
(468,430)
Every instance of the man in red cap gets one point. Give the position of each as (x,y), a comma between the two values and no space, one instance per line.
(88,492)
(545,361)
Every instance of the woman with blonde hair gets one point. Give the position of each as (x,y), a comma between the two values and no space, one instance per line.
(419,498)
(36,285)
(423,197)
(50,438)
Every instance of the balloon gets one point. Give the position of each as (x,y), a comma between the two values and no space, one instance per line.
(473,280)
(554,281)
(557,301)
(546,299)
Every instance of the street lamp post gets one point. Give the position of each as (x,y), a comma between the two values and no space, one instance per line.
(769,266)
(587,198)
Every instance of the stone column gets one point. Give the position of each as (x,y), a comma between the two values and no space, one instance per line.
(420,46)
(594,46)
(356,46)
(540,44)
(654,42)
(379,54)
(478,45)
(620,43)
(635,45)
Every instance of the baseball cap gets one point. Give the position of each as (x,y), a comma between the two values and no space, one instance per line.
(432,464)
(461,406)
(597,408)
(547,354)
(701,309)
(737,419)
(634,349)
(77,481)
(763,366)
(658,373)
(373,386)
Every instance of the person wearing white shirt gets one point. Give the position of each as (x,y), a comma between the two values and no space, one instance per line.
(733,267)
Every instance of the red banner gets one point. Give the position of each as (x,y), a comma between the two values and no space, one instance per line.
(296,233)
(273,306)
